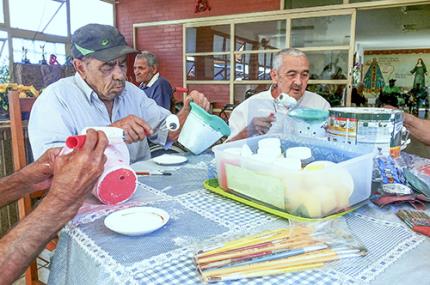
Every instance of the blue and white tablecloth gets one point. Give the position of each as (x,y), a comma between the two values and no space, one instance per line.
(89,253)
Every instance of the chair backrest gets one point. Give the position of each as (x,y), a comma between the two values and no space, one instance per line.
(17,107)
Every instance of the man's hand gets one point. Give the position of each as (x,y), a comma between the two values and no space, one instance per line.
(260,125)
(135,128)
(76,173)
(198,98)
(38,175)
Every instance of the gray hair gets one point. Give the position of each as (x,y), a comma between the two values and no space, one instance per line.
(150,58)
(277,61)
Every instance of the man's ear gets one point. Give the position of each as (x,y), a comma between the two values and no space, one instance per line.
(274,76)
(155,69)
(79,66)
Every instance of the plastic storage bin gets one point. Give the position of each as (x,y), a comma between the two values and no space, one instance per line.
(342,178)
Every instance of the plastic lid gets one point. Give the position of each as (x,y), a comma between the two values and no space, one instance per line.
(301,152)
(309,114)
(213,121)
(269,143)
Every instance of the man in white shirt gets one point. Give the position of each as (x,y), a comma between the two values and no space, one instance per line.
(290,75)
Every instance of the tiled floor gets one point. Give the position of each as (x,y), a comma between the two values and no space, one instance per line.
(43,267)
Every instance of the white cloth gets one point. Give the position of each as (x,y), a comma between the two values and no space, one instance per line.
(262,104)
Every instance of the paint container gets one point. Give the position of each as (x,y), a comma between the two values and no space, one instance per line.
(380,127)
(118,181)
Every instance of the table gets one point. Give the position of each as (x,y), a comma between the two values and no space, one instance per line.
(89,253)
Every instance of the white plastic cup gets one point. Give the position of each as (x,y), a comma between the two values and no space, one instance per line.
(303,153)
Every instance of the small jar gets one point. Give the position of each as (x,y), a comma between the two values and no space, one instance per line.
(302,153)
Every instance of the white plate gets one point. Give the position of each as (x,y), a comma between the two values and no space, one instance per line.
(137,220)
(169,159)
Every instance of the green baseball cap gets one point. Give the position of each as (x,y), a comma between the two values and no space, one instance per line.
(103,42)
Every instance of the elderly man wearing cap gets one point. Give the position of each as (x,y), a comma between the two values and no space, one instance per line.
(99,95)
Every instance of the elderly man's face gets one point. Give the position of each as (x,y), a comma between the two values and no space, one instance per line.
(293,75)
(107,79)
(143,71)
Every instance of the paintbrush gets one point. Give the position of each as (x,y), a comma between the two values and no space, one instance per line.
(265,256)
(156,172)
(324,255)
(275,270)
(263,273)
(270,247)
(266,236)
(416,220)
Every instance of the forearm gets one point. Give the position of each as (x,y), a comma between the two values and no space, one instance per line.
(243,134)
(12,188)
(24,242)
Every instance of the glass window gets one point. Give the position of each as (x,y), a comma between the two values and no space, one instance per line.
(4,58)
(208,39)
(47,16)
(335,94)
(210,67)
(244,91)
(83,12)
(217,94)
(293,4)
(326,65)
(32,50)
(321,31)
(260,35)
(358,1)
(253,66)
(1,12)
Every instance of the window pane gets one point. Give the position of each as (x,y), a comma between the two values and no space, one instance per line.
(35,16)
(217,94)
(208,39)
(244,91)
(4,58)
(357,1)
(260,35)
(253,66)
(327,65)
(334,94)
(211,67)
(321,31)
(293,4)
(1,12)
(82,12)
(34,50)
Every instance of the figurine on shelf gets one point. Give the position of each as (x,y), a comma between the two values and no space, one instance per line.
(43,61)
(201,6)
(24,55)
(53,60)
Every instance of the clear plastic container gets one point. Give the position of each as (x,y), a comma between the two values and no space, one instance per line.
(313,192)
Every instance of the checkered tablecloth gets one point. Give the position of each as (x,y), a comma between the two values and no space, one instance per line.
(89,253)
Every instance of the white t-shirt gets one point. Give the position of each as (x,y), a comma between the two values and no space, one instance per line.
(262,104)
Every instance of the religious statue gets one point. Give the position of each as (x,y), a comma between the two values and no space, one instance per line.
(43,61)
(420,72)
(201,6)
(373,80)
(24,55)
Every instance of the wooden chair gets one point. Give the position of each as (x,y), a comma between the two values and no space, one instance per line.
(18,107)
